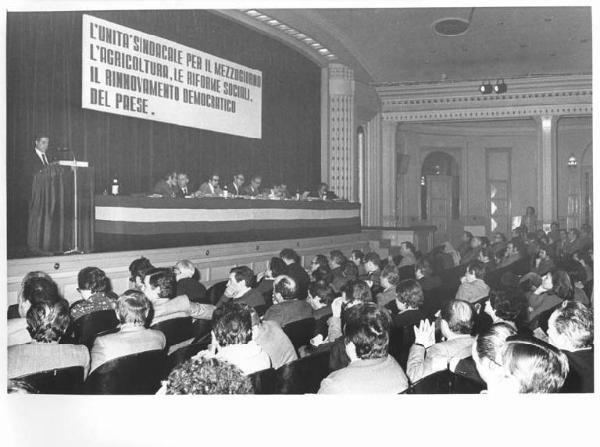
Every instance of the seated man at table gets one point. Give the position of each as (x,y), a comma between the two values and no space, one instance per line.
(253,189)
(183,185)
(371,369)
(210,188)
(239,288)
(167,186)
(235,187)
(287,308)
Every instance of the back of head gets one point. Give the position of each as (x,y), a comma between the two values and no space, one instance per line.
(286,287)
(208,376)
(48,322)
(322,290)
(40,289)
(277,266)
(368,326)
(373,258)
(538,367)
(410,293)
(507,305)
(409,246)
(574,322)
(243,273)
(477,268)
(186,268)
(390,273)
(93,279)
(337,256)
(562,285)
(460,316)
(164,280)
(133,308)
(290,255)
(232,324)
(358,254)
(357,291)
(491,343)
(138,268)
(350,270)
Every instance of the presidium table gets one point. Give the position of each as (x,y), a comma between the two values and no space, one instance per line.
(142,222)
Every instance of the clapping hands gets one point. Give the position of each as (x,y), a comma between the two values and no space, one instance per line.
(425,333)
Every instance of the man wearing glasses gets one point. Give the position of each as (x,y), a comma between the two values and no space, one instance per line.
(209,188)
(235,188)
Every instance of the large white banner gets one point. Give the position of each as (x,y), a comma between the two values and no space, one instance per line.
(131,73)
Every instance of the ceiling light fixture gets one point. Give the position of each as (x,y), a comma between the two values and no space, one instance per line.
(486,89)
(500,87)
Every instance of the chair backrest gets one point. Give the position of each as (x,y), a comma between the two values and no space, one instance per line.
(304,375)
(260,310)
(56,381)
(176,330)
(183,354)
(88,327)
(445,382)
(300,332)
(139,373)
(216,291)
(265,381)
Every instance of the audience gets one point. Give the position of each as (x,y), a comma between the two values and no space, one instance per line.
(472,287)
(389,281)
(286,307)
(371,369)
(295,271)
(239,288)
(544,298)
(373,269)
(358,257)
(320,297)
(160,287)
(94,288)
(133,309)
(271,338)
(187,284)
(265,280)
(47,324)
(137,271)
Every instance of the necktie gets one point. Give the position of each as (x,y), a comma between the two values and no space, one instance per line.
(185,191)
(45,160)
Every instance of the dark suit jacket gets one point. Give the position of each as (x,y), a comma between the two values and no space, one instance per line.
(581,372)
(249,190)
(252,298)
(298,274)
(289,311)
(234,189)
(162,187)
(31,166)
(195,290)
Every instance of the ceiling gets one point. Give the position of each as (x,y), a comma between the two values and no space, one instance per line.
(388,45)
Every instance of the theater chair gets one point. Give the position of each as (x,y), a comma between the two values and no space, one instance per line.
(265,382)
(445,382)
(132,374)
(185,353)
(300,332)
(304,376)
(90,326)
(216,291)
(56,381)
(176,330)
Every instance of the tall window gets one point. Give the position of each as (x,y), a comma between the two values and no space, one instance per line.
(361,171)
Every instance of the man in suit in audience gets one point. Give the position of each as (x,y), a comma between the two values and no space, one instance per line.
(336,262)
(239,288)
(235,187)
(426,356)
(167,186)
(407,251)
(571,329)
(271,338)
(371,370)
(133,337)
(296,271)
(287,308)
(373,268)
(357,256)
(389,281)
(210,188)
(253,189)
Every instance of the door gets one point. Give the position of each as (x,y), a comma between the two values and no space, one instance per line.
(439,205)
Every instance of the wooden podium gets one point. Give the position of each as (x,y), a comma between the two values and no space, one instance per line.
(61,209)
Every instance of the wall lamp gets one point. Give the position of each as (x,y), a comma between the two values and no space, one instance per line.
(572,161)
(498,88)
(486,89)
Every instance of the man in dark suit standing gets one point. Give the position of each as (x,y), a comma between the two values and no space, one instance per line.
(235,187)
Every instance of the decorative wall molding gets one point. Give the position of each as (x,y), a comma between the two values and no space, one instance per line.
(560,95)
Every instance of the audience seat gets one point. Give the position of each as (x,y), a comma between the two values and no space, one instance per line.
(176,330)
(304,376)
(185,353)
(265,382)
(300,332)
(260,310)
(88,327)
(132,374)
(445,382)
(216,291)
(56,381)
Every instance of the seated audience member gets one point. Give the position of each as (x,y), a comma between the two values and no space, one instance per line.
(167,186)
(487,352)
(389,281)
(354,292)
(542,262)
(271,338)
(275,268)
(465,244)
(533,366)
(94,288)
(584,258)
(560,244)
(253,189)
(371,370)
(239,288)
(209,188)
(544,297)
(407,251)
(232,339)
(137,271)
(349,273)
(577,280)
(358,257)
(452,252)
(573,242)
(20,309)
(512,254)
(586,237)
(426,356)
(286,307)
(373,268)
(424,274)
(571,329)
(187,284)
(207,376)
(499,242)
(440,259)
(319,269)
(336,263)
(37,287)
(320,297)
(506,307)
(235,187)
(295,271)
(47,324)
(133,309)
(472,287)
(473,252)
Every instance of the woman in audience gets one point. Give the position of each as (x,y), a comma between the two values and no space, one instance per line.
(320,269)
(37,287)
(424,274)
(541,261)
(47,324)
(20,309)
(133,337)
(207,376)
(187,284)
(137,271)
(506,307)
(94,288)
(544,298)
(472,287)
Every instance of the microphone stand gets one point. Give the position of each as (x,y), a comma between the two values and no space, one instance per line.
(75,249)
